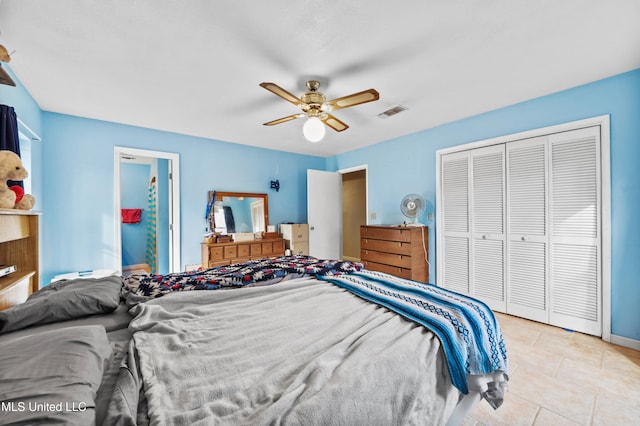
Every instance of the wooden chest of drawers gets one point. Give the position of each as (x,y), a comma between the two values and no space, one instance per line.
(296,237)
(396,250)
(219,254)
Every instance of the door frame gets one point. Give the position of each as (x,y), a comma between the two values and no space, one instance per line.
(174,203)
(605,161)
(353,169)
(364,167)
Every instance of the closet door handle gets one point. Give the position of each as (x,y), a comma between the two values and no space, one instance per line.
(524,238)
(485,236)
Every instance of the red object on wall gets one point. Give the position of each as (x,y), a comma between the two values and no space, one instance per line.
(131,215)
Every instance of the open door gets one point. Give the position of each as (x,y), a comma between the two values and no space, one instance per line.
(324,214)
(164,247)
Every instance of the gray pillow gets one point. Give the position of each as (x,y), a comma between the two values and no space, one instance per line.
(53,377)
(64,300)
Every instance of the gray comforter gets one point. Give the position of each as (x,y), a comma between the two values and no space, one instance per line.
(300,352)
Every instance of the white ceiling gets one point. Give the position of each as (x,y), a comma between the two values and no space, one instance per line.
(193,67)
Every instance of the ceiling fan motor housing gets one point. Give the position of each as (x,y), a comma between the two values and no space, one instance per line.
(312,100)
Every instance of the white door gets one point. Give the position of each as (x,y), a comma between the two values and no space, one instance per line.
(575,199)
(324,214)
(455,222)
(488,226)
(527,229)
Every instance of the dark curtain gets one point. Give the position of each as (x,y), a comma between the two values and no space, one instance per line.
(228,218)
(9,139)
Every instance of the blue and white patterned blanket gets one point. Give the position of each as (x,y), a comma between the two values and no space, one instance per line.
(469,333)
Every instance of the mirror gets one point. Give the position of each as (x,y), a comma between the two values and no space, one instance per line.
(237,212)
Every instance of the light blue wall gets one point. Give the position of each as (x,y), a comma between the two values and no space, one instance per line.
(407,164)
(79,208)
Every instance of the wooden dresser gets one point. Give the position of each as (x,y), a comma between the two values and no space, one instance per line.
(396,250)
(296,237)
(18,247)
(219,254)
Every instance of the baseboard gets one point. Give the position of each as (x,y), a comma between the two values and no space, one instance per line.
(626,342)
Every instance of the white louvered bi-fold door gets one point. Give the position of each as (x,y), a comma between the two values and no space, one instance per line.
(487,226)
(527,224)
(455,226)
(575,199)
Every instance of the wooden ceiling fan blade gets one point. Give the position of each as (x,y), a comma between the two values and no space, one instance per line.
(354,99)
(283,119)
(333,122)
(277,90)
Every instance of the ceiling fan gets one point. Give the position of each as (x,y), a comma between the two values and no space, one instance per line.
(315,106)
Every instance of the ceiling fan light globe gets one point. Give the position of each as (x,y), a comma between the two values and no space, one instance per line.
(313,130)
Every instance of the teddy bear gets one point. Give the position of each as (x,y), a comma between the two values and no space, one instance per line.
(11,168)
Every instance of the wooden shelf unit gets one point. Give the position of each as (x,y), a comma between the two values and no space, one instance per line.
(396,250)
(19,247)
(220,254)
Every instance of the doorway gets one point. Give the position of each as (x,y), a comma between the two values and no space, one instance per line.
(354,212)
(147,201)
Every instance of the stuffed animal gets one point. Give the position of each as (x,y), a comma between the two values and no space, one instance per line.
(11,168)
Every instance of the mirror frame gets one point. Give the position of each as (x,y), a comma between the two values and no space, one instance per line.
(221,194)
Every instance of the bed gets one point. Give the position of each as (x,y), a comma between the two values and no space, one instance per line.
(288,340)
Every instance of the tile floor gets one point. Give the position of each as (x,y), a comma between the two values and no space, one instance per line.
(560,377)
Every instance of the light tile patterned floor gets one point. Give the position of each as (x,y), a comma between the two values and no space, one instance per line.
(560,377)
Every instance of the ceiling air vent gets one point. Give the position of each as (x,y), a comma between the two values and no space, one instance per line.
(392,111)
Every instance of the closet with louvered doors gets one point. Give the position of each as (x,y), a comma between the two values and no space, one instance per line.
(521,226)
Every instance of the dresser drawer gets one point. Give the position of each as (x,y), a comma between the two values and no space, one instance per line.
(393,270)
(267,248)
(215,254)
(295,232)
(301,247)
(218,263)
(386,233)
(230,252)
(386,258)
(396,247)
(244,250)
(278,247)
(256,249)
